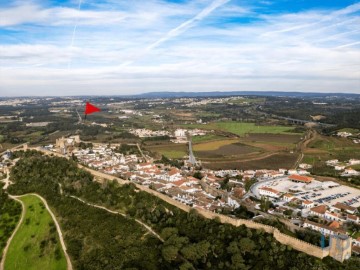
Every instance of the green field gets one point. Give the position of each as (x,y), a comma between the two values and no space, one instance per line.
(36,244)
(351,130)
(240,128)
(206,138)
(170,150)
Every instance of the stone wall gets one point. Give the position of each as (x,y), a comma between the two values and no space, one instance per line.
(282,238)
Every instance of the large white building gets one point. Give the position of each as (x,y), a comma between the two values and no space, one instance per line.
(180,132)
(269,192)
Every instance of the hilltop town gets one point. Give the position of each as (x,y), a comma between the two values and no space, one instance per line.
(300,177)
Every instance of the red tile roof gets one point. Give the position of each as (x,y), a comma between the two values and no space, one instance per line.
(321,209)
(270,190)
(307,202)
(301,178)
(179,182)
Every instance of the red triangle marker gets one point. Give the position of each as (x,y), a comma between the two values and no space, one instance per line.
(89,108)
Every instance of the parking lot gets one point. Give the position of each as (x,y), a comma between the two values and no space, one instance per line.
(318,192)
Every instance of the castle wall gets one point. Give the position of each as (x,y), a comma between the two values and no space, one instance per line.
(282,238)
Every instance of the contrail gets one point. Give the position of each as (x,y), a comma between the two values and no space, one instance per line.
(74,33)
(347,45)
(181,28)
(345,11)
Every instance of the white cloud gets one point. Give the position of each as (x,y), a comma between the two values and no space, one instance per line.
(307,51)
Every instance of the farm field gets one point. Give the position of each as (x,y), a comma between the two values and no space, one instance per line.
(241,128)
(169,150)
(213,148)
(36,244)
(206,138)
(324,147)
(273,138)
(213,145)
(223,149)
(276,161)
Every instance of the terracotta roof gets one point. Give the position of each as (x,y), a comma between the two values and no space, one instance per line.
(334,225)
(321,209)
(301,178)
(179,182)
(337,230)
(353,217)
(174,171)
(270,190)
(307,202)
(355,249)
(288,195)
(344,206)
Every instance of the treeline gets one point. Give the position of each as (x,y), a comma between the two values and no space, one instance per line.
(127,149)
(10,212)
(97,240)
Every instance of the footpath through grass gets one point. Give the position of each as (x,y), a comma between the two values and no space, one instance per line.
(36,244)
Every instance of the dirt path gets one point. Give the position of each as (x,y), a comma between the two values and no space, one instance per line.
(69,265)
(246,160)
(302,146)
(2,263)
(6,181)
(62,242)
(149,229)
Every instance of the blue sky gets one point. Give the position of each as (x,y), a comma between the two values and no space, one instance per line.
(72,47)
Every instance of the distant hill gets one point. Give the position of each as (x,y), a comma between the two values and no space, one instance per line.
(242,93)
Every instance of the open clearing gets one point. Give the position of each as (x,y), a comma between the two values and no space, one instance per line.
(273,138)
(241,128)
(36,244)
(270,161)
(169,150)
(234,150)
(214,145)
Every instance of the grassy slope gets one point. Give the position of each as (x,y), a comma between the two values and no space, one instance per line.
(24,251)
(208,146)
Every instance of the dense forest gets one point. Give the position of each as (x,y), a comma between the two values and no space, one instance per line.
(100,240)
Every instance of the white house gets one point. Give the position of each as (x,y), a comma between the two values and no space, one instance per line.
(307,204)
(338,207)
(305,166)
(318,211)
(350,172)
(333,216)
(269,192)
(339,167)
(180,133)
(327,230)
(354,161)
(332,162)
(352,218)
(288,197)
